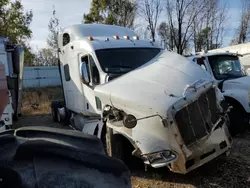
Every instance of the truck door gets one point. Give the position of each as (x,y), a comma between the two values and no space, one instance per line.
(90,78)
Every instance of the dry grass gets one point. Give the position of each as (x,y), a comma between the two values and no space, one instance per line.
(232,171)
(38,100)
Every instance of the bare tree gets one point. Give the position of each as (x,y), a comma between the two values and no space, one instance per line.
(113,12)
(53,27)
(150,10)
(181,16)
(208,26)
(123,12)
(45,57)
(167,37)
(219,27)
(244,28)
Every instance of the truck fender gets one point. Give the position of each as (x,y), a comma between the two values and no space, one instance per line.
(239,99)
(117,133)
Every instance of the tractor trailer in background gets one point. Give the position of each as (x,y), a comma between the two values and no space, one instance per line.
(12,59)
(139,99)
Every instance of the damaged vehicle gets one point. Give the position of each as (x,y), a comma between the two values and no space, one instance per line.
(230,76)
(139,99)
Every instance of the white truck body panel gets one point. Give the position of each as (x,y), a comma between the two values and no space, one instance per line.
(8,112)
(154,82)
(3,56)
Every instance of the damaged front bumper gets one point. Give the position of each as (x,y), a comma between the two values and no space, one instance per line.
(194,156)
(160,159)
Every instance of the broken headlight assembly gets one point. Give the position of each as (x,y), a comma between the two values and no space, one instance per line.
(160,159)
(129,121)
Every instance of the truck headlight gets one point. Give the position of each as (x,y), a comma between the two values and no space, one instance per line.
(160,159)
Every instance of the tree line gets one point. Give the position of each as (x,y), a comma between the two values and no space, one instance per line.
(15,24)
(180,25)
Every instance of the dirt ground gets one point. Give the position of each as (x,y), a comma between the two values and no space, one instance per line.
(227,172)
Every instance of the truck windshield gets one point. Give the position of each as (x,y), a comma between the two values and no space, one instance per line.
(122,60)
(226,67)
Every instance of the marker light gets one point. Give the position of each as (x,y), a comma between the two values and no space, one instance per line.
(90,38)
(135,37)
(126,37)
(116,37)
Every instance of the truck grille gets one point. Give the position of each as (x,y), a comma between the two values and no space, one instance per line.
(196,120)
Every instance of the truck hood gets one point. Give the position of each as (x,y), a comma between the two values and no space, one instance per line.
(153,87)
(243,82)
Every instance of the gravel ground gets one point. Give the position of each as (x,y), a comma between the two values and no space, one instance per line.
(229,172)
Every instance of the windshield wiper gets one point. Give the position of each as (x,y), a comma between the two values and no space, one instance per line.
(121,66)
(232,75)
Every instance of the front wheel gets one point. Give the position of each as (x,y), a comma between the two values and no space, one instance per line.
(239,120)
(54,114)
(113,145)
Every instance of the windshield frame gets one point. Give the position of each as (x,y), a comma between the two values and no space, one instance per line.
(126,68)
(211,60)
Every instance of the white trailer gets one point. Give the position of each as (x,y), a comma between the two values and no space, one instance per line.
(12,57)
(139,99)
(230,76)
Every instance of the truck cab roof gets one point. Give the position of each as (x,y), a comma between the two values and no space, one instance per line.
(100,36)
(212,54)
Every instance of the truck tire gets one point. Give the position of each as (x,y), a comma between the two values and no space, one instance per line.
(58,116)
(113,145)
(239,120)
(54,108)
(54,114)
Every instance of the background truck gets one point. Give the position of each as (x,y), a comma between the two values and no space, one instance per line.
(12,57)
(4,94)
(139,99)
(226,69)
(242,49)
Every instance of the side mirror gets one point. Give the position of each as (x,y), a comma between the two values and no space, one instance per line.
(85,73)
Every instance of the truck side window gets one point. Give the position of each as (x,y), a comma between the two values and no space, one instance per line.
(94,71)
(66,39)
(66,72)
(85,70)
(200,62)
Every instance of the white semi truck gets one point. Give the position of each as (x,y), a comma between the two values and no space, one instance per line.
(139,99)
(242,49)
(12,57)
(232,80)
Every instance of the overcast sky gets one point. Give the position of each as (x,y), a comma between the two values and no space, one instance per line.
(68,11)
(71,11)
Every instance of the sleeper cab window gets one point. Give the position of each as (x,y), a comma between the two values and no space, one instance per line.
(66,72)
(66,39)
